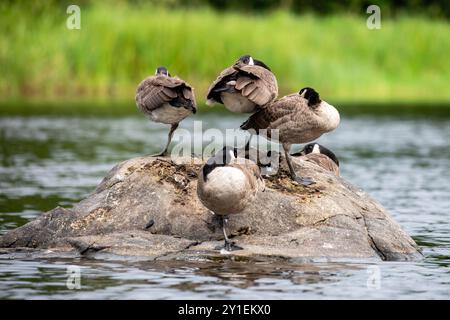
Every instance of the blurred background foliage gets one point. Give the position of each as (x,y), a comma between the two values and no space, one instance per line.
(322,44)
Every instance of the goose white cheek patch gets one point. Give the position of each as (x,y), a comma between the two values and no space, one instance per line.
(316,149)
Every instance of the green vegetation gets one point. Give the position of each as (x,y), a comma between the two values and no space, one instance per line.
(117,46)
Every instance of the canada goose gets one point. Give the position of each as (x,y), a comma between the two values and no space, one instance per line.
(299,118)
(319,155)
(244,87)
(227,185)
(165,99)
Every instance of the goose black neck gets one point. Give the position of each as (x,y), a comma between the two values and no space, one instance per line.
(329,154)
(261,64)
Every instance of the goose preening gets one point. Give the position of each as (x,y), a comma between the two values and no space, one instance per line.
(244,87)
(227,185)
(319,155)
(299,118)
(165,99)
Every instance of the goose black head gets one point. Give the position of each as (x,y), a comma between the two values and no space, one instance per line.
(222,158)
(162,71)
(317,148)
(311,95)
(248,59)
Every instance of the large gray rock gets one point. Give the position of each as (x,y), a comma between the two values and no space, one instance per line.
(331,220)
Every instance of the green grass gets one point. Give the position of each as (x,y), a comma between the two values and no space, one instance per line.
(41,60)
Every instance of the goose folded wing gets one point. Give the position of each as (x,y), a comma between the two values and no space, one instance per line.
(255,89)
(280,113)
(323,161)
(220,81)
(263,80)
(188,94)
(153,92)
(293,122)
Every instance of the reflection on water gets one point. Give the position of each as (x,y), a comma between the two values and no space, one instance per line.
(402,162)
(109,279)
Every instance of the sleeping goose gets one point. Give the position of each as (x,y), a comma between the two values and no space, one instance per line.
(165,99)
(244,87)
(227,185)
(299,118)
(318,154)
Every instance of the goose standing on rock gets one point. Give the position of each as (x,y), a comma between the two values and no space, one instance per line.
(227,185)
(299,118)
(165,99)
(244,87)
(318,154)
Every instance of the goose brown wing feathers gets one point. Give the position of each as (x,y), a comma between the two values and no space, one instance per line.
(284,113)
(219,81)
(256,83)
(322,161)
(154,91)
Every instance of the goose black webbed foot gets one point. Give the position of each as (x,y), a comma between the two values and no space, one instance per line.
(303,181)
(229,246)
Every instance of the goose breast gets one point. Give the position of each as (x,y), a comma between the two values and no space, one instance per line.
(226,190)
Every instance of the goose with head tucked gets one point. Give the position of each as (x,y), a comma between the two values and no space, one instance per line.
(165,99)
(227,185)
(320,155)
(298,118)
(245,87)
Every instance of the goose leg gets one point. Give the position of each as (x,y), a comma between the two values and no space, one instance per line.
(228,245)
(294,176)
(169,139)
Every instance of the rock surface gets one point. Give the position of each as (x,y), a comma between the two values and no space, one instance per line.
(332,219)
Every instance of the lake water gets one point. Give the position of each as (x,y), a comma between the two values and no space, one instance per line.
(403,162)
